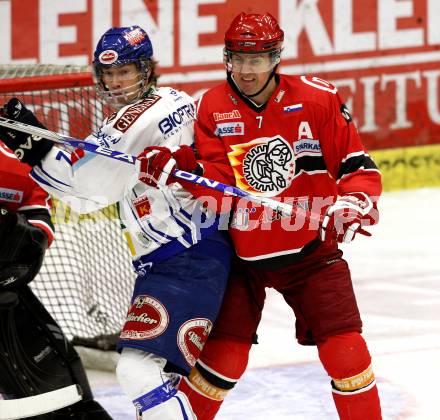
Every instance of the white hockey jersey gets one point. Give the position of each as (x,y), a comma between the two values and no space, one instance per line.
(153,217)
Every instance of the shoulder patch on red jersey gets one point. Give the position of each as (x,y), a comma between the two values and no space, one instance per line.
(318,83)
(307,146)
(11,196)
(293,108)
(132,113)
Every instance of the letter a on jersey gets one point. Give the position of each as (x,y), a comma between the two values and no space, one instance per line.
(304,130)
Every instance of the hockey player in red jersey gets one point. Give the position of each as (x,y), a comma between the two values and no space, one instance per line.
(291,138)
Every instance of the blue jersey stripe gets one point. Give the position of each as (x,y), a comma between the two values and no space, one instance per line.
(46,174)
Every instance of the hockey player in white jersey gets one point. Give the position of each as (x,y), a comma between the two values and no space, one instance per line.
(180,255)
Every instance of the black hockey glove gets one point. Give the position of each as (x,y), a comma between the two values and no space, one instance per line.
(22,248)
(28,148)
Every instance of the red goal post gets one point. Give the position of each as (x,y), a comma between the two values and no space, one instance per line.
(62,97)
(87,279)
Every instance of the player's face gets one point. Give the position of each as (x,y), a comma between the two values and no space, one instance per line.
(123,82)
(250,83)
(250,71)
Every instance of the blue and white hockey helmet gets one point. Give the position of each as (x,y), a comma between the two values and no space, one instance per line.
(123,45)
(117,47)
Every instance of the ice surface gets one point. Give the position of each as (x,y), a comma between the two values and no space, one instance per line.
(396,276)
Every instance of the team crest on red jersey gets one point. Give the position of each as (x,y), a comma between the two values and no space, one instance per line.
(147,318)
(264,166)
(191,338)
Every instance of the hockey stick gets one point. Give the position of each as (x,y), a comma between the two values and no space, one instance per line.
(48,402)
(284,209)
(66,142)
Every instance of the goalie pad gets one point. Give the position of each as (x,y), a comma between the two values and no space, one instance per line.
(35,356)
(22,249)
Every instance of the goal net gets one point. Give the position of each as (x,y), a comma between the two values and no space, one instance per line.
(87,279)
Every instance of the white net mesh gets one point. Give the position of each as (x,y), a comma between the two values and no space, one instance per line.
(86,279)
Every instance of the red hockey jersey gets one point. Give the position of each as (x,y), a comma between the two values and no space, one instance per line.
(300,147)
(18,192)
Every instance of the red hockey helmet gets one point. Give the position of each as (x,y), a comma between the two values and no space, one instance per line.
(253,43)
(254,33)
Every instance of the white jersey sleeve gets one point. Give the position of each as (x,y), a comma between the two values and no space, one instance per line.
(89,184)
(96,181)
(152,217)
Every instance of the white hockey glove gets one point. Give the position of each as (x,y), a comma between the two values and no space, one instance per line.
(347,216)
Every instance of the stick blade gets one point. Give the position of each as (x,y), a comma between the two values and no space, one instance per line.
(21,408)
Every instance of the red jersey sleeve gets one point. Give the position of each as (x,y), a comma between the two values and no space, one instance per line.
(347,159)
(23,194)
(36,207)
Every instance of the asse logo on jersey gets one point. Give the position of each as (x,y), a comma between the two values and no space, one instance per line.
(230,129)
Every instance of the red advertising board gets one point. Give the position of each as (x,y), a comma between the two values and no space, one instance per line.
(383,55)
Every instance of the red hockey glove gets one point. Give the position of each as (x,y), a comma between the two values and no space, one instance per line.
(158,163)
(346,217)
